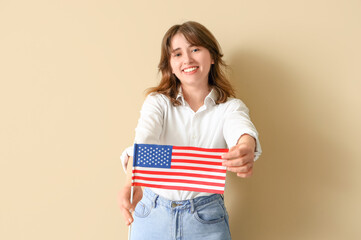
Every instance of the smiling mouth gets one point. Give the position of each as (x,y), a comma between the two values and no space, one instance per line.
(191,69)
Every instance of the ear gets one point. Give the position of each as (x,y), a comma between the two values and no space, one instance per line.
(212,61)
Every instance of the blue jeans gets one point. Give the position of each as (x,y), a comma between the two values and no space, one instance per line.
(196,219)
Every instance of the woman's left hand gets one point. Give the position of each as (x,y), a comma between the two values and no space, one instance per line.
(240,158)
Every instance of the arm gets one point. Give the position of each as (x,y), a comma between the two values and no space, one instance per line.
(240,158)
(148,130)
(149,126)
(125,206)
(242,139)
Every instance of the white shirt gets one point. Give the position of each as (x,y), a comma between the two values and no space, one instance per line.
(212,126)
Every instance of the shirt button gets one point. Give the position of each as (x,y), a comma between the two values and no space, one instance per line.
(194,137)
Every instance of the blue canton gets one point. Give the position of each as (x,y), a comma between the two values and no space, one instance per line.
(151,155)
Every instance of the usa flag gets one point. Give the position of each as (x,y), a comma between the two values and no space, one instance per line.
(179,168)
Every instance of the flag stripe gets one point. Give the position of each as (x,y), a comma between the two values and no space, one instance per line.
(199,169)
(177,181)
(180,177)
(218,174)
(174,173)
(196,155)
(221,150)
(198,152)
(199,159)
(197,165)
(180,188)
(179,184)
(196,161)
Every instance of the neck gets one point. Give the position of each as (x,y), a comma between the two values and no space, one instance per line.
(195,96)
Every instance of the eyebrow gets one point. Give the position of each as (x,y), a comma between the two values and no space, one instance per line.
(175,50)
(190,46)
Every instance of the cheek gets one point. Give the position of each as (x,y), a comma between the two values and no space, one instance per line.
(207,59)
(173,66)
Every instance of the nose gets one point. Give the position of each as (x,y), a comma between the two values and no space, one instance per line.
(187,58)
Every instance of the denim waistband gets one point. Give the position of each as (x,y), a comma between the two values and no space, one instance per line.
(184,204)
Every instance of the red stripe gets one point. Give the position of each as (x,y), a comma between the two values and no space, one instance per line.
(197,162)
(179,181)
(179,188)
(196,155)
(202,149)
(180,174)
(199,169)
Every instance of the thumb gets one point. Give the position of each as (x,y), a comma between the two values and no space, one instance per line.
(229,154)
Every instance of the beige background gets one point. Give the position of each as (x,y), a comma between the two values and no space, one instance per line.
(72,80)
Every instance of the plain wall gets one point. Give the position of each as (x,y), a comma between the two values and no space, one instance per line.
(73,75)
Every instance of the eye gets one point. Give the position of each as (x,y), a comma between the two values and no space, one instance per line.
(195,50)
(177,55)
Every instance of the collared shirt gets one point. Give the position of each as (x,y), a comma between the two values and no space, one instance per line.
(212,126)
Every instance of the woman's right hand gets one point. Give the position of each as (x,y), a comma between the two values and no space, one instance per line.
(124,201)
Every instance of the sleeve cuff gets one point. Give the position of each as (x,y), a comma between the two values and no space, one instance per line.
(258,150)
(128,152)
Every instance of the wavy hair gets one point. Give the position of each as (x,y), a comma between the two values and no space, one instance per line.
(198,35)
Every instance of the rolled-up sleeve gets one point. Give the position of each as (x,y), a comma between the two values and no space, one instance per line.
(150,125)
(237,122)
(124,158)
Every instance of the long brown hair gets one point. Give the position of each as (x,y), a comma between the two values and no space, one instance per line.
(198,35)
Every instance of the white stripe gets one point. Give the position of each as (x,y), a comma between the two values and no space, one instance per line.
(197,152)
(179,170)
(181,185)
(180,177)
(198,165)
(199,159)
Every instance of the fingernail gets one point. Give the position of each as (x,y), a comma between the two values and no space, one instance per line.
(130,220)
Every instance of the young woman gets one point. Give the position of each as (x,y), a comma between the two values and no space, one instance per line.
(193,105)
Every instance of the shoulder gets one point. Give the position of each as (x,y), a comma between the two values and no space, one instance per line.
(159,97)
(156,99)
(234,104)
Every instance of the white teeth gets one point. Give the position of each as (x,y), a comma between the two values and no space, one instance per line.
(190,69)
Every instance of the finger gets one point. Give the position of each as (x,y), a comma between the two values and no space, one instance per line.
(231,163)
(246,175)
(241,169)
(237,151)
(128,218)
(125,205)
(240,161)
(237,162)
(127,210)
(231,154)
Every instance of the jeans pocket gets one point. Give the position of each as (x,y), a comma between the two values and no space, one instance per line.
(210,213)
(142,209)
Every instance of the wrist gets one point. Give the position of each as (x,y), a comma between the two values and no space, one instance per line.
(247,139)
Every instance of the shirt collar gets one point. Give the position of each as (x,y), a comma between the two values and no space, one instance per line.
(211,97)
(180,96)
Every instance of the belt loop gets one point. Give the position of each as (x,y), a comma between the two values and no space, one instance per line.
(155,197)
(192,205)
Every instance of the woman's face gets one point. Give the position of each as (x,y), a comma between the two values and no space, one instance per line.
(191,64)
